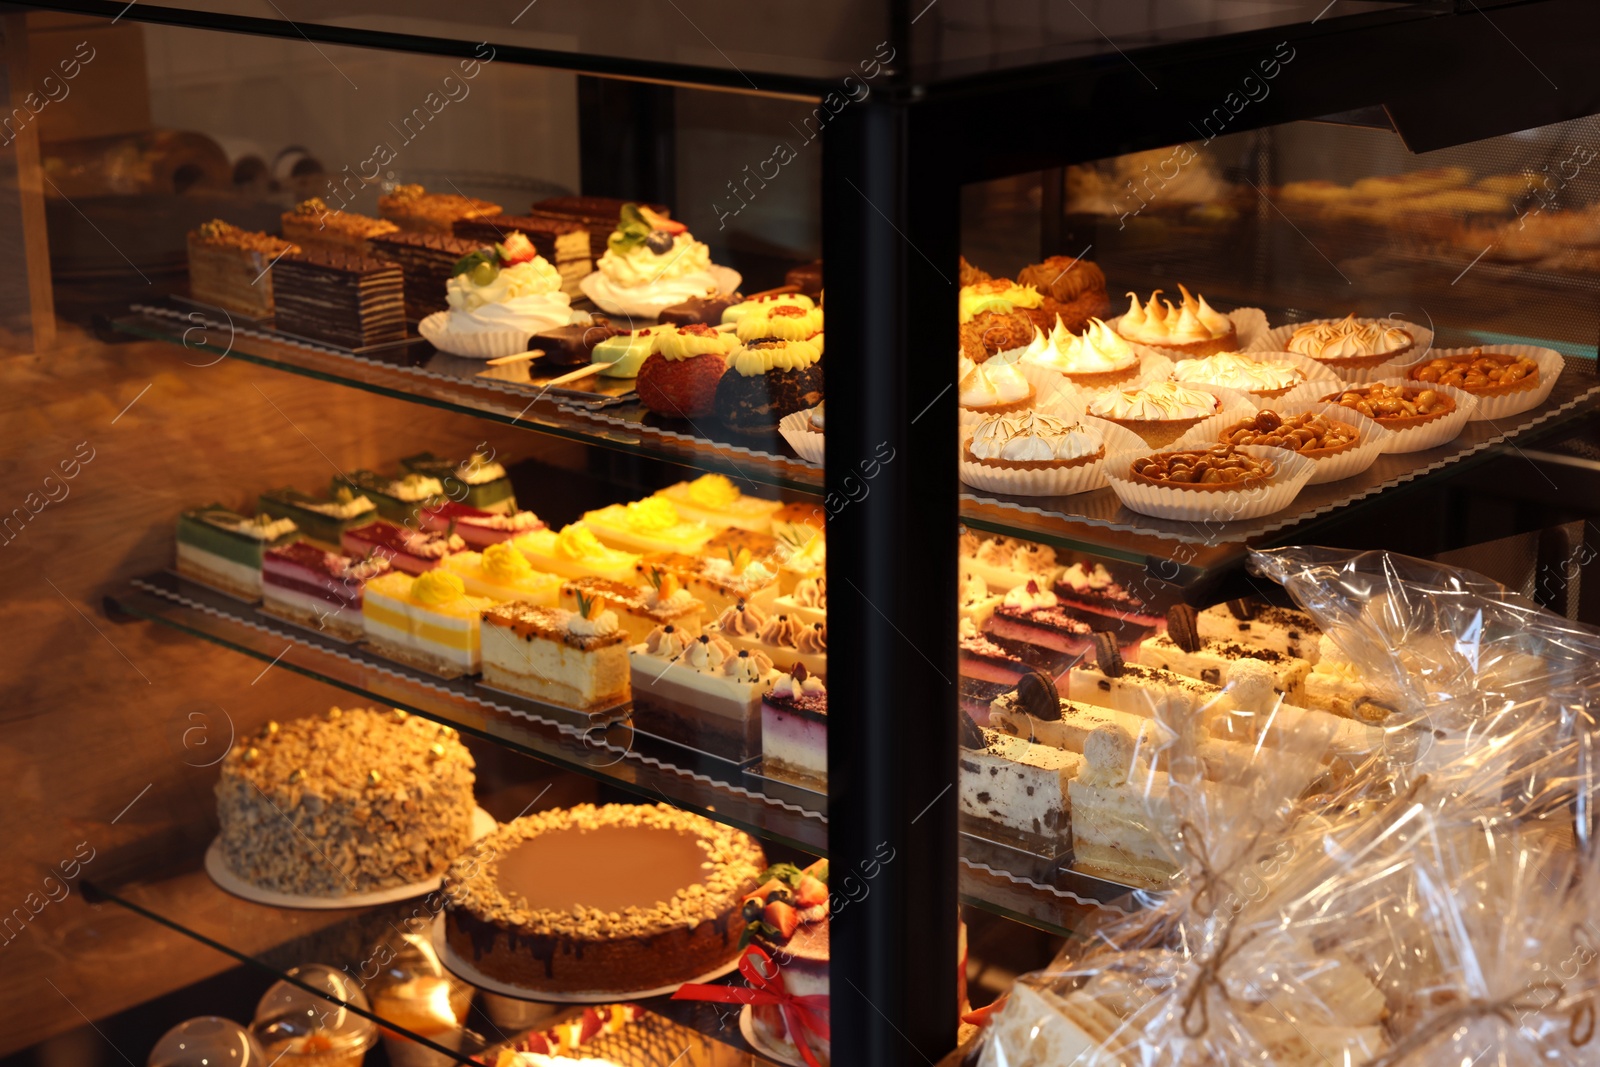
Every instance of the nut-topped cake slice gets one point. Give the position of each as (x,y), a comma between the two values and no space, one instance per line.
(660,601)
(578,659)
(230,268)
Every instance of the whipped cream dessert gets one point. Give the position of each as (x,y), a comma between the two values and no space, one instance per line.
(1157,322)
(991,386)
(1232,370)
(650,263)
(1159,401)
(1098,350)
(1349,339)
(1033,437)
(498,299)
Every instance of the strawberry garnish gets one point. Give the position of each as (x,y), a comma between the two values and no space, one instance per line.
(783,917)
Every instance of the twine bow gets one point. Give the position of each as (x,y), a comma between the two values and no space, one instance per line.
(1196,1019)
(801,1014)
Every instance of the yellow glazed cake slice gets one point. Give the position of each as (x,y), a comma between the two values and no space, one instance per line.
(715,500)
(575,552)
(428,621)
(500,572)
(653,524)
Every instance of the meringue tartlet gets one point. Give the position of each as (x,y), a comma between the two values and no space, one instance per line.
(1351,342)
(1095,359)
(992,388)
(1159,413)
(1031,441)
(1234,370)
(1193,328)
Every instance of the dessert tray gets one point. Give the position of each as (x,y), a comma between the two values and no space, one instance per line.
(467,971)
(217,869)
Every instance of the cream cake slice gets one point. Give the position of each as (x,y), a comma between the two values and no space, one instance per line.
(794,729)
(785,639)
(1244,622)
(1124,827)
(575,659)
(700,691)
(808,602)
(1337,686)
(1008,562)
(649,525)
(721,581)
(640,608)
(428,621)
(224,549)
(500,573)
(1015,785)
(1212,660)
(714,499)
(575,552)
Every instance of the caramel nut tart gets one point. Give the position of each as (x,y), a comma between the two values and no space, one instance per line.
(1395,407)
(1351,343)
(1221,468)
(1310,434)
(1032,441)
(1193,328)
(1480,373)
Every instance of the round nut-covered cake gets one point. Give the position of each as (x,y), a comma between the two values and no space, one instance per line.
(349,802)
(617,899)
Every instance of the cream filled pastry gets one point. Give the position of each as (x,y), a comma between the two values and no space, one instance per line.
(1350,342)
(1095,358)
(1193,327)
(1159,413)
(498,299)
(650,263)
(1232,370)
(1032,440)
(991,388)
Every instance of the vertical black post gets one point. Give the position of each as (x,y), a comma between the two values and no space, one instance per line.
(890,237)
(626,138)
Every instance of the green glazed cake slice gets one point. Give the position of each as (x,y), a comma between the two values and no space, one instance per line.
(398,499)
(320,521)
(477,481)
(223,549)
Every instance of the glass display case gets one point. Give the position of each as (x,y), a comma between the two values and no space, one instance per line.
(468,366)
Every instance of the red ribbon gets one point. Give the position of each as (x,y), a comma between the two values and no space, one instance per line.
(766,987)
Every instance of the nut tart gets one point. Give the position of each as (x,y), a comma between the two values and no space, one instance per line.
(1351,343)
(1396,406)
(1159,413)
(1193,328)
(1479,373)
(1234,370)
(1313,435)
(618,898)
(1222,468)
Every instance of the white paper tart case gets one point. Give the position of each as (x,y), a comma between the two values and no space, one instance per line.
(1430,434)
(1498,407)
(1061,481)
(1277,340)
(473,344)
(1211,506)
(1369,442)
(808,443)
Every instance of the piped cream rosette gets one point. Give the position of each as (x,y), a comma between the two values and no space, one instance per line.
(1430,434)
(1315,379)
(499,317)
(1033,437)
(1159,325)
(1370,438)
(1490,408)
(1211,506)
(803,430)
(999,388)
(1277,340)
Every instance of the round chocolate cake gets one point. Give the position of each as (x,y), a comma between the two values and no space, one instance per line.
(610,899)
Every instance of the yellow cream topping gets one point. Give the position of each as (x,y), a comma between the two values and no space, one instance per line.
(785,323)
(775,355)
(579,542)
(653,514)
(999,296)
(713,491)
(505,564)
(437,587)
(674,344)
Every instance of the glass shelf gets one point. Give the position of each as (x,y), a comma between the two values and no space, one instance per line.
(1031,890)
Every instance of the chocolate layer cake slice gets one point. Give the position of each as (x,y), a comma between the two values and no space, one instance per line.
(342,298)
(427,261)
(228,267)
(597,214)
(411,207)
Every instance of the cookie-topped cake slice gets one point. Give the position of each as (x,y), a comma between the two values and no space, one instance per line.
(1182,650)
(1249,622)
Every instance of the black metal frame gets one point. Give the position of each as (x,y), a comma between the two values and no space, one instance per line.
(893,168)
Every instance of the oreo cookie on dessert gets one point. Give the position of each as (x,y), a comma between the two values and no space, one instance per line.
(343,298)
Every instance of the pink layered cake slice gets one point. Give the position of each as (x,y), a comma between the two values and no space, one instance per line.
(794,729)
(991,665)
(317,589)
(1092,588)
(478,528)
(407,550)
(1036,615)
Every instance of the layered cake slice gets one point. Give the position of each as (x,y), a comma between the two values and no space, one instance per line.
(477,481)
(791,920)
(315,227)
(230,268)
(991,665)
(407,550)
(223,549)
(596,214)
(808,602)
(427,263)
(698,690)
(720,581)
(640,608)
(714,499)
(575,552)
(1093,589)
(1124,827)
(1246,622)
(578,659)
(649,525)
(1007,562)
(794,729)
(428,621)
(341,298)
(801,552)
(397,499)
(502,573)
(786,639)
(1014,786)
(478,528)
(317,589)
(321,521)
(564,244)
(974,602)
(414,209)
(1338,686)
(1035,615)
(1182,650)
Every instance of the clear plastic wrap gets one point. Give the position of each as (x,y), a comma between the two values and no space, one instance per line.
(1431,900)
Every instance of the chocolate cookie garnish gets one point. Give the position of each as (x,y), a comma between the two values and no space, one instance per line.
(971,736)
(1370,711)
(1037,693)
(1183,627)
(1106,654)
(1244,610)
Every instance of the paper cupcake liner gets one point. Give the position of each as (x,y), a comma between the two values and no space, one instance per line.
(1061,482)
(1249,325)
(1211,507)
(1498,407)
(479,344)
(1371,438)
(1429,434)
(1278,340)
(808,443)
